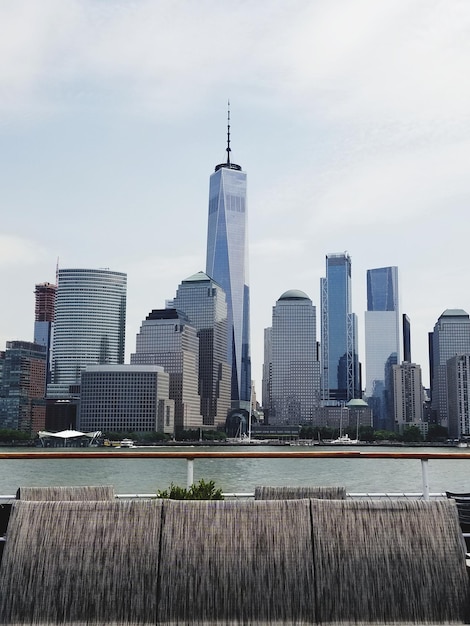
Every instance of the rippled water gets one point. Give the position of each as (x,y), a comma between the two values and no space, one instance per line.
(238,475)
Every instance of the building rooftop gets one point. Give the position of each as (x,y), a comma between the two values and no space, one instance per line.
(294,294)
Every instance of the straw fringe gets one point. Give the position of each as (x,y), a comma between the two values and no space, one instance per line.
(232,563)
(67,494)
(291,493)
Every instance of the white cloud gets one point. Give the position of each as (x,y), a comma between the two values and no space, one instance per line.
(16,251)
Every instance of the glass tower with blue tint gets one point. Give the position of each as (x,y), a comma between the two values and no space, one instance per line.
(382,339)
(227,264)
(340,366)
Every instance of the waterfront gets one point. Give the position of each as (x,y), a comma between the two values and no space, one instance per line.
(240,475)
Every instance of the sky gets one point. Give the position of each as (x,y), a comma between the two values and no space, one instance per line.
(350,117)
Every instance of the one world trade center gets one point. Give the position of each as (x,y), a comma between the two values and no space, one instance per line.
(227,264)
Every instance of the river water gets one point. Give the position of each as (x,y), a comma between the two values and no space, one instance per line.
(129,475)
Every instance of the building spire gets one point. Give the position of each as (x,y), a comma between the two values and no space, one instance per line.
(228,164)
(228,133)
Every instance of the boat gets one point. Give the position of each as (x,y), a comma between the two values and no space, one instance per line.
(344,439)
(127,443)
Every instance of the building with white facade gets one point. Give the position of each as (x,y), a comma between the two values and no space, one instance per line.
(295,372)
(126,398)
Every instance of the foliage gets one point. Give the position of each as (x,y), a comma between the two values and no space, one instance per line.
(436,432)
(8,435)
(412,433)
(199,491)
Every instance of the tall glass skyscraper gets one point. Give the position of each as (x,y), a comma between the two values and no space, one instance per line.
(295,368)
(451,336)
(340,366)
(382,338)
(89,325)
(203,301)
(227,264)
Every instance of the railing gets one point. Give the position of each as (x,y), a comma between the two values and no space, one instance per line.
(192,455)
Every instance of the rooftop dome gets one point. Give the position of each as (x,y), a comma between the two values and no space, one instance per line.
(294,294)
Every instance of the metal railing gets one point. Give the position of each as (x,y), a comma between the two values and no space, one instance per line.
(193,455)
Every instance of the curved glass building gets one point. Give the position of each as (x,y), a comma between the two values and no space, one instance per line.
(227,264)
(89,325)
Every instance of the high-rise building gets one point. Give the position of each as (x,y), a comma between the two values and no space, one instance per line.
(267,371)
(458,395)
(382,339)
(22,404)
(451,336)
(295,371)
(126,398)
(167,338)
(407,395)
(204,302)
(227,264)
(44,319)
(341,380)
(89,326)
(406,328)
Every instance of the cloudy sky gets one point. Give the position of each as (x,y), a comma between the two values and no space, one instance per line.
(350,117)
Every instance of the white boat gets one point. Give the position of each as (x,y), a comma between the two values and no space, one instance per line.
(344,439)
(127,443)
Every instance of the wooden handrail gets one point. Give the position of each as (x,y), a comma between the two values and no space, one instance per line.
(233,454)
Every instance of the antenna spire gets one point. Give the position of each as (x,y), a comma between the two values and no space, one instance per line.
(228,132)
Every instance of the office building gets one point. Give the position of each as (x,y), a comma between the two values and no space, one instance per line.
(267,372)
(451,336)
(167,338)
(126,398)
(382,339)
(204,302)
(44,310)
(89,326)
(295,369)
(406,329)
(458,395)
(227,264)
(407,395)
(22,390)
(341,380)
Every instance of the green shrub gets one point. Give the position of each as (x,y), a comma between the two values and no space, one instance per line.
(199,491)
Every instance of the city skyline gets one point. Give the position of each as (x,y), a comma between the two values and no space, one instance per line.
(351,122)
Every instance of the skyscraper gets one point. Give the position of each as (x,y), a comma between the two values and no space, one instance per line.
(407,392)
(22,404)
(451,336)
(382,338)
(458,395)
(89,326)
(227,264)
(340,366)
(44,319)
(295,369)
(168,338)
(203,301)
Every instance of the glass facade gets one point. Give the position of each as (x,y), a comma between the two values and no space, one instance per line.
(168,339)
(340,373)
(203,301)
(451,336)
(295,369)
(89,326)
(382,339)
(227,264)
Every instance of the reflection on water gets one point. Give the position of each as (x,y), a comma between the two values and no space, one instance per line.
(238,475)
